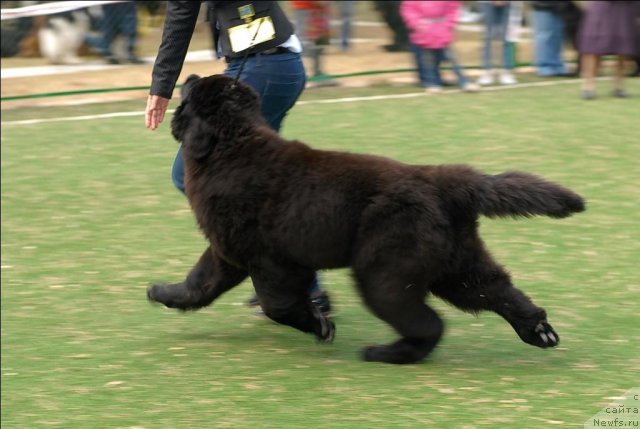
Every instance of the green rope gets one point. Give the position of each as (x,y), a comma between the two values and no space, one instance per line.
(79,92)
(146,88)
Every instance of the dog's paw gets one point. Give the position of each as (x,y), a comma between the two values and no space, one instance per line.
(548,336)
(388,354)
(375,354)
(154,294)
(542,335)
(402,352)
(173,296)
(325,329)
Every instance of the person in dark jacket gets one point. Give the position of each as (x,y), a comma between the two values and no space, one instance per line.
(572,16)
(390,13)
(259,31)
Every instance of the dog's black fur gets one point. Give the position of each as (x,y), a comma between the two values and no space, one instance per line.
(277,210)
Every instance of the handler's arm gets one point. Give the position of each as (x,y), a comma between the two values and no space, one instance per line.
(180,21)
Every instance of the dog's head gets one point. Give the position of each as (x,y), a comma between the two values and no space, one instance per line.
(214,109)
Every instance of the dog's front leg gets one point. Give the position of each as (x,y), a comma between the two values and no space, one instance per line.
(207,280)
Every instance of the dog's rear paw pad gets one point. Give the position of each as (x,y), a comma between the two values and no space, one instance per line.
(546,333)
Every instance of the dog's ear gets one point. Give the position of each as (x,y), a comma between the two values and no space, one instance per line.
(198,139)
(188,84)
(179,122)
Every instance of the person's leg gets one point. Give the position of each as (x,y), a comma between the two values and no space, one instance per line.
(346,16)
(502,20)
(488,13)
(316,55)
(430,57)
(390,13)
(572,18)
(543,40)
(618,80)
(108,30)
(449,55)
(278,79)
(418,56)
(557,43)
(301,26)
(467,86)
(129,28)
(508,60)
(177,171)
(400,31)
(589,69)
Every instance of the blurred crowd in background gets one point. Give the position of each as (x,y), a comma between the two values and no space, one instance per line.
(426,29)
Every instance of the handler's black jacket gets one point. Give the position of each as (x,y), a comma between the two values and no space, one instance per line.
(180,22)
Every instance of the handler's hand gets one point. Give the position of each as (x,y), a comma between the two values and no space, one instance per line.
(156,108)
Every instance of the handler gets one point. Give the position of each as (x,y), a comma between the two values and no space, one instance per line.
(258,30)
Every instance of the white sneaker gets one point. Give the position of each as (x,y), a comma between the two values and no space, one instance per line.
(470,87)
(434,90)
(507,78)
(486,78)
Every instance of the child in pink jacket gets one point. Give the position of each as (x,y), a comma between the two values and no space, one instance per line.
(431,25)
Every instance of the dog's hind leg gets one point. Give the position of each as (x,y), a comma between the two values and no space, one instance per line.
(207,280)
(283,291)
(490,288)
(399,301)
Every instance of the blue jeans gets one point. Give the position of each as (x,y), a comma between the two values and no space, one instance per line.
(278,79)
(548,38)
(496,19)
(432,58)
(418,54)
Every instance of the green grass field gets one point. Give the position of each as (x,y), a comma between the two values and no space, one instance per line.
(90,219)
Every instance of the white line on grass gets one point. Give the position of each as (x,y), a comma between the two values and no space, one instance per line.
(328,101)
(73,118)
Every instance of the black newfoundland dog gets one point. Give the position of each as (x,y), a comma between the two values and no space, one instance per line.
(277,210)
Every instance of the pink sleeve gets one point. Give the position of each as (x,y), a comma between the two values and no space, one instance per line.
(410,12)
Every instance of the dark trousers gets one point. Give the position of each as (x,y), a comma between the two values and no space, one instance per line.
(390,12)
(118,18)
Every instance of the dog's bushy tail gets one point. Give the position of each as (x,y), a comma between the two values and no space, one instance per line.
(523,194)
(514,194)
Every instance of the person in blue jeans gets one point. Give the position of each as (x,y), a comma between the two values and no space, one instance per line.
(548,36)
(496,19)
(273,67)
(430,70)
